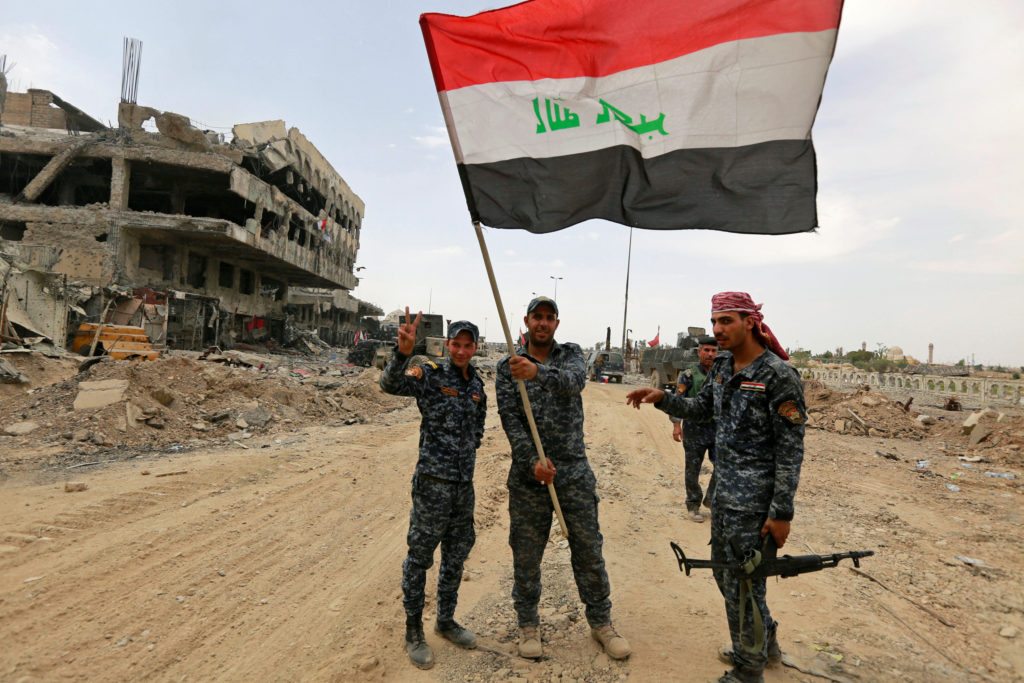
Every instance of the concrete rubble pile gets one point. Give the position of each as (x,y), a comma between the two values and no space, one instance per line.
(869,413)
(180,402)
(988,435)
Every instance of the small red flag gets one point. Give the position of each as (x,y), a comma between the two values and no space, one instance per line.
(657,339)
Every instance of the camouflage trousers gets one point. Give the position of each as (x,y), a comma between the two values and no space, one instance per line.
(746,527)
(530,512)
(442,514)
(693,454)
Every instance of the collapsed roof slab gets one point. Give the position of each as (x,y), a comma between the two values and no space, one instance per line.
(29,141)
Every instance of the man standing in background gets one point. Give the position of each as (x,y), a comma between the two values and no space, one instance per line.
(698,436)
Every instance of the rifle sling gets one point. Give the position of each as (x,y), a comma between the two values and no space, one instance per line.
(747,599)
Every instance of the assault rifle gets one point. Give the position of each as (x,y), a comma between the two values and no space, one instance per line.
(759,563)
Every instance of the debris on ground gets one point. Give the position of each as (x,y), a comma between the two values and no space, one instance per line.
(865,412)
(179,401)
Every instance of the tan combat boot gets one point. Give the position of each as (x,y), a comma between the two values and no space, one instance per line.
(529,642)
(615,646)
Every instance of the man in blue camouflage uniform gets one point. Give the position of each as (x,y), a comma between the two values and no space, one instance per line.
(555,375)
(451,399)
(757,402)
(698,436)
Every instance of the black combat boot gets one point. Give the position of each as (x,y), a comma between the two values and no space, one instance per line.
(774,651)
(416,646)
(449,629)
(740,674)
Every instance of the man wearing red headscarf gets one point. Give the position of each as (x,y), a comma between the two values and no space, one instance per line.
(756,401)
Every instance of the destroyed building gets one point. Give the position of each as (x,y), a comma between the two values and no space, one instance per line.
(198,239)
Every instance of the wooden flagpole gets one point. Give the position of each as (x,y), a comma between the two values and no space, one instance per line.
(522,385)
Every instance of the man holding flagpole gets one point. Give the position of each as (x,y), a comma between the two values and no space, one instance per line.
(555,375)
(757,403)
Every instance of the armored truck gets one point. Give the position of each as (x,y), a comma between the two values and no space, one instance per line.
(663,366)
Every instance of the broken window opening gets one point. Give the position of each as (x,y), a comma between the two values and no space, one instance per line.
(102,237)
(158,258)
(12,231)
(246,281)
(289,182)
(165,188)
(85,181)
(270,223)
(196,276)
(17,170)
(226,275)
(272,287)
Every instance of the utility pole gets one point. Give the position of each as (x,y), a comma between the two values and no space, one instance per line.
(625,303)
(556,279)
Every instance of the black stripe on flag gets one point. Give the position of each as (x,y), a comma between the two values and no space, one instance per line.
(766,188)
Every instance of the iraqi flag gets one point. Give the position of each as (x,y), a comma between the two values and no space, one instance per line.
(661,114)
(657,339)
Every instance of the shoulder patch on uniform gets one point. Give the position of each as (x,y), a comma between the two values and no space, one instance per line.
(416,372)
(791,411)
(752,386)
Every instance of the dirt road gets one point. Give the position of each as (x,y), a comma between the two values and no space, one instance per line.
(281,561)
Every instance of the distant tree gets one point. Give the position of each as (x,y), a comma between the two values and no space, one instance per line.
(828,354)
(1016,375)
(800,358)
(879,365)
(859,357)
(961,363)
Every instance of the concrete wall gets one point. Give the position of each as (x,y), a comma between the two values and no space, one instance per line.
(33,108)
(980,390)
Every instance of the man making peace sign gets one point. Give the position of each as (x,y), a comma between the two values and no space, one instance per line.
(451,400)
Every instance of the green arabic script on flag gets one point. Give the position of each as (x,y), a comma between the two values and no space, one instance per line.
(559,117)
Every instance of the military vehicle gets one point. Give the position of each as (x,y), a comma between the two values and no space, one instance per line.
(613,368)
(430,338)
(365,351)
(663,366)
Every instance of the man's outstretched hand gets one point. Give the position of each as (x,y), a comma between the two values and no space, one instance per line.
(645,395)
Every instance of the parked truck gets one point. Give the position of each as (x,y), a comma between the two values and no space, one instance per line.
(430,338)
(663,366)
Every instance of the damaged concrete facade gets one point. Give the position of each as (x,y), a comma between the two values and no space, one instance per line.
(250,240)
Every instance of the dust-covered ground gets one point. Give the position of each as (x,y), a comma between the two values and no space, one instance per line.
(277,556)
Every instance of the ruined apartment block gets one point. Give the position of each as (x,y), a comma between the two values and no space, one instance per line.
(200,241)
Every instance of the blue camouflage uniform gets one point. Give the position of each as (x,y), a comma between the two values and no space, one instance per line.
(453,410)
(558,411)
(698,438)
(759,417)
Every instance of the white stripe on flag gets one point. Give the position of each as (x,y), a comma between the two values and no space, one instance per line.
(730,95)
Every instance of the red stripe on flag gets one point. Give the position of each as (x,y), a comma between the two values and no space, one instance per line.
(573,38)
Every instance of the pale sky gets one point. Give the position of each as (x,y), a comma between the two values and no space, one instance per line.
(919,142)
